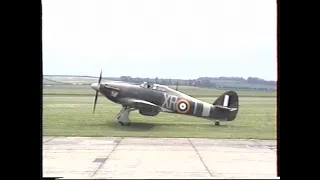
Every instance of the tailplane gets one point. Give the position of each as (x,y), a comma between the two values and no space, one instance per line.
(227,105)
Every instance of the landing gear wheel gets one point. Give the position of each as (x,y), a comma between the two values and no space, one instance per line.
(124,124)
(123,116)
(217,123)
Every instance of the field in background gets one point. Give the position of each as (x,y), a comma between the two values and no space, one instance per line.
(68,114)
(67,111)
(76,85)
(85,90)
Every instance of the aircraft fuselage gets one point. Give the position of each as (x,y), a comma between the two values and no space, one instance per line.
(169,99)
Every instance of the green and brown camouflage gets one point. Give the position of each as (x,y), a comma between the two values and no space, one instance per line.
(151,99)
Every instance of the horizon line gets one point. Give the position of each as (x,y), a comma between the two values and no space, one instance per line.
(153,78)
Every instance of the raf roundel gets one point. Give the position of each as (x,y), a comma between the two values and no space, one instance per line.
(183,106)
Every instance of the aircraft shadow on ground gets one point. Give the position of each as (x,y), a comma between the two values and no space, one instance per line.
(134,126)
(145,126)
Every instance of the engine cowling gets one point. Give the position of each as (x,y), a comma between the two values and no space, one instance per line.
(149,112)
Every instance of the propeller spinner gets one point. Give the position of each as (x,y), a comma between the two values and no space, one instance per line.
(96,86)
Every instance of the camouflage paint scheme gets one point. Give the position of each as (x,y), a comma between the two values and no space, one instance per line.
(151,99)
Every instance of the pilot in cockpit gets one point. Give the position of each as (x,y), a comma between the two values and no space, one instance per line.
(146,85)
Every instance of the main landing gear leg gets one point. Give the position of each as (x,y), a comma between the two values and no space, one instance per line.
(123,116)
(217,123)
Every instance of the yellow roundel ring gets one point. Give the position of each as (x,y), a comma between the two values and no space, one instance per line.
(183,106)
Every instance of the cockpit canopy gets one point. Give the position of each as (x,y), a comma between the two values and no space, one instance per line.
(154,86)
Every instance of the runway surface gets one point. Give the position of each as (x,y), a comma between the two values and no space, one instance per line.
(87,157)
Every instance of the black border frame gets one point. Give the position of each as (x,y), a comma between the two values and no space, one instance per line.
(29,81)
(278,88)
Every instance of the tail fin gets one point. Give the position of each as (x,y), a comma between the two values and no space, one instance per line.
(228,105)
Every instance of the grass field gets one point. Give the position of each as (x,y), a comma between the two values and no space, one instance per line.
(85,90)
(67,114)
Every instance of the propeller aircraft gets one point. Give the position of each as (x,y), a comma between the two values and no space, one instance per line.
(151,99)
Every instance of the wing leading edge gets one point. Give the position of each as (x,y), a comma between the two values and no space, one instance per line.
(141,104)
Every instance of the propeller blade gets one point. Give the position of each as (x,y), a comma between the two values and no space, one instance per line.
(100,77)
(95,102)
(97,93)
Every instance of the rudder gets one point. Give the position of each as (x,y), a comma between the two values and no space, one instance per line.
(228,103)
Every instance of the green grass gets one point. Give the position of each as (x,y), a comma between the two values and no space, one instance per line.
(69,90)
(72,116)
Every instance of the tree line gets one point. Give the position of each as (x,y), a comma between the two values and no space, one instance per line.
(210,82)
(236,83)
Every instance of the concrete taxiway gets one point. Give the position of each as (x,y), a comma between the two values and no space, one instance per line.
(87,157)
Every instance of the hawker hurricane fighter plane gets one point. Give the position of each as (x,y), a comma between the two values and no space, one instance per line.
(151,99)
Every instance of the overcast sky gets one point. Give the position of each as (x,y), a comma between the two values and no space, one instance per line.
(160,38)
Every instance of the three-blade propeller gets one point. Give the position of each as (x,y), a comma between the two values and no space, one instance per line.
(97,93)
(177,86)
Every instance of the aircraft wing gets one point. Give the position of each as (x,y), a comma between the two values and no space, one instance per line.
(140,104)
